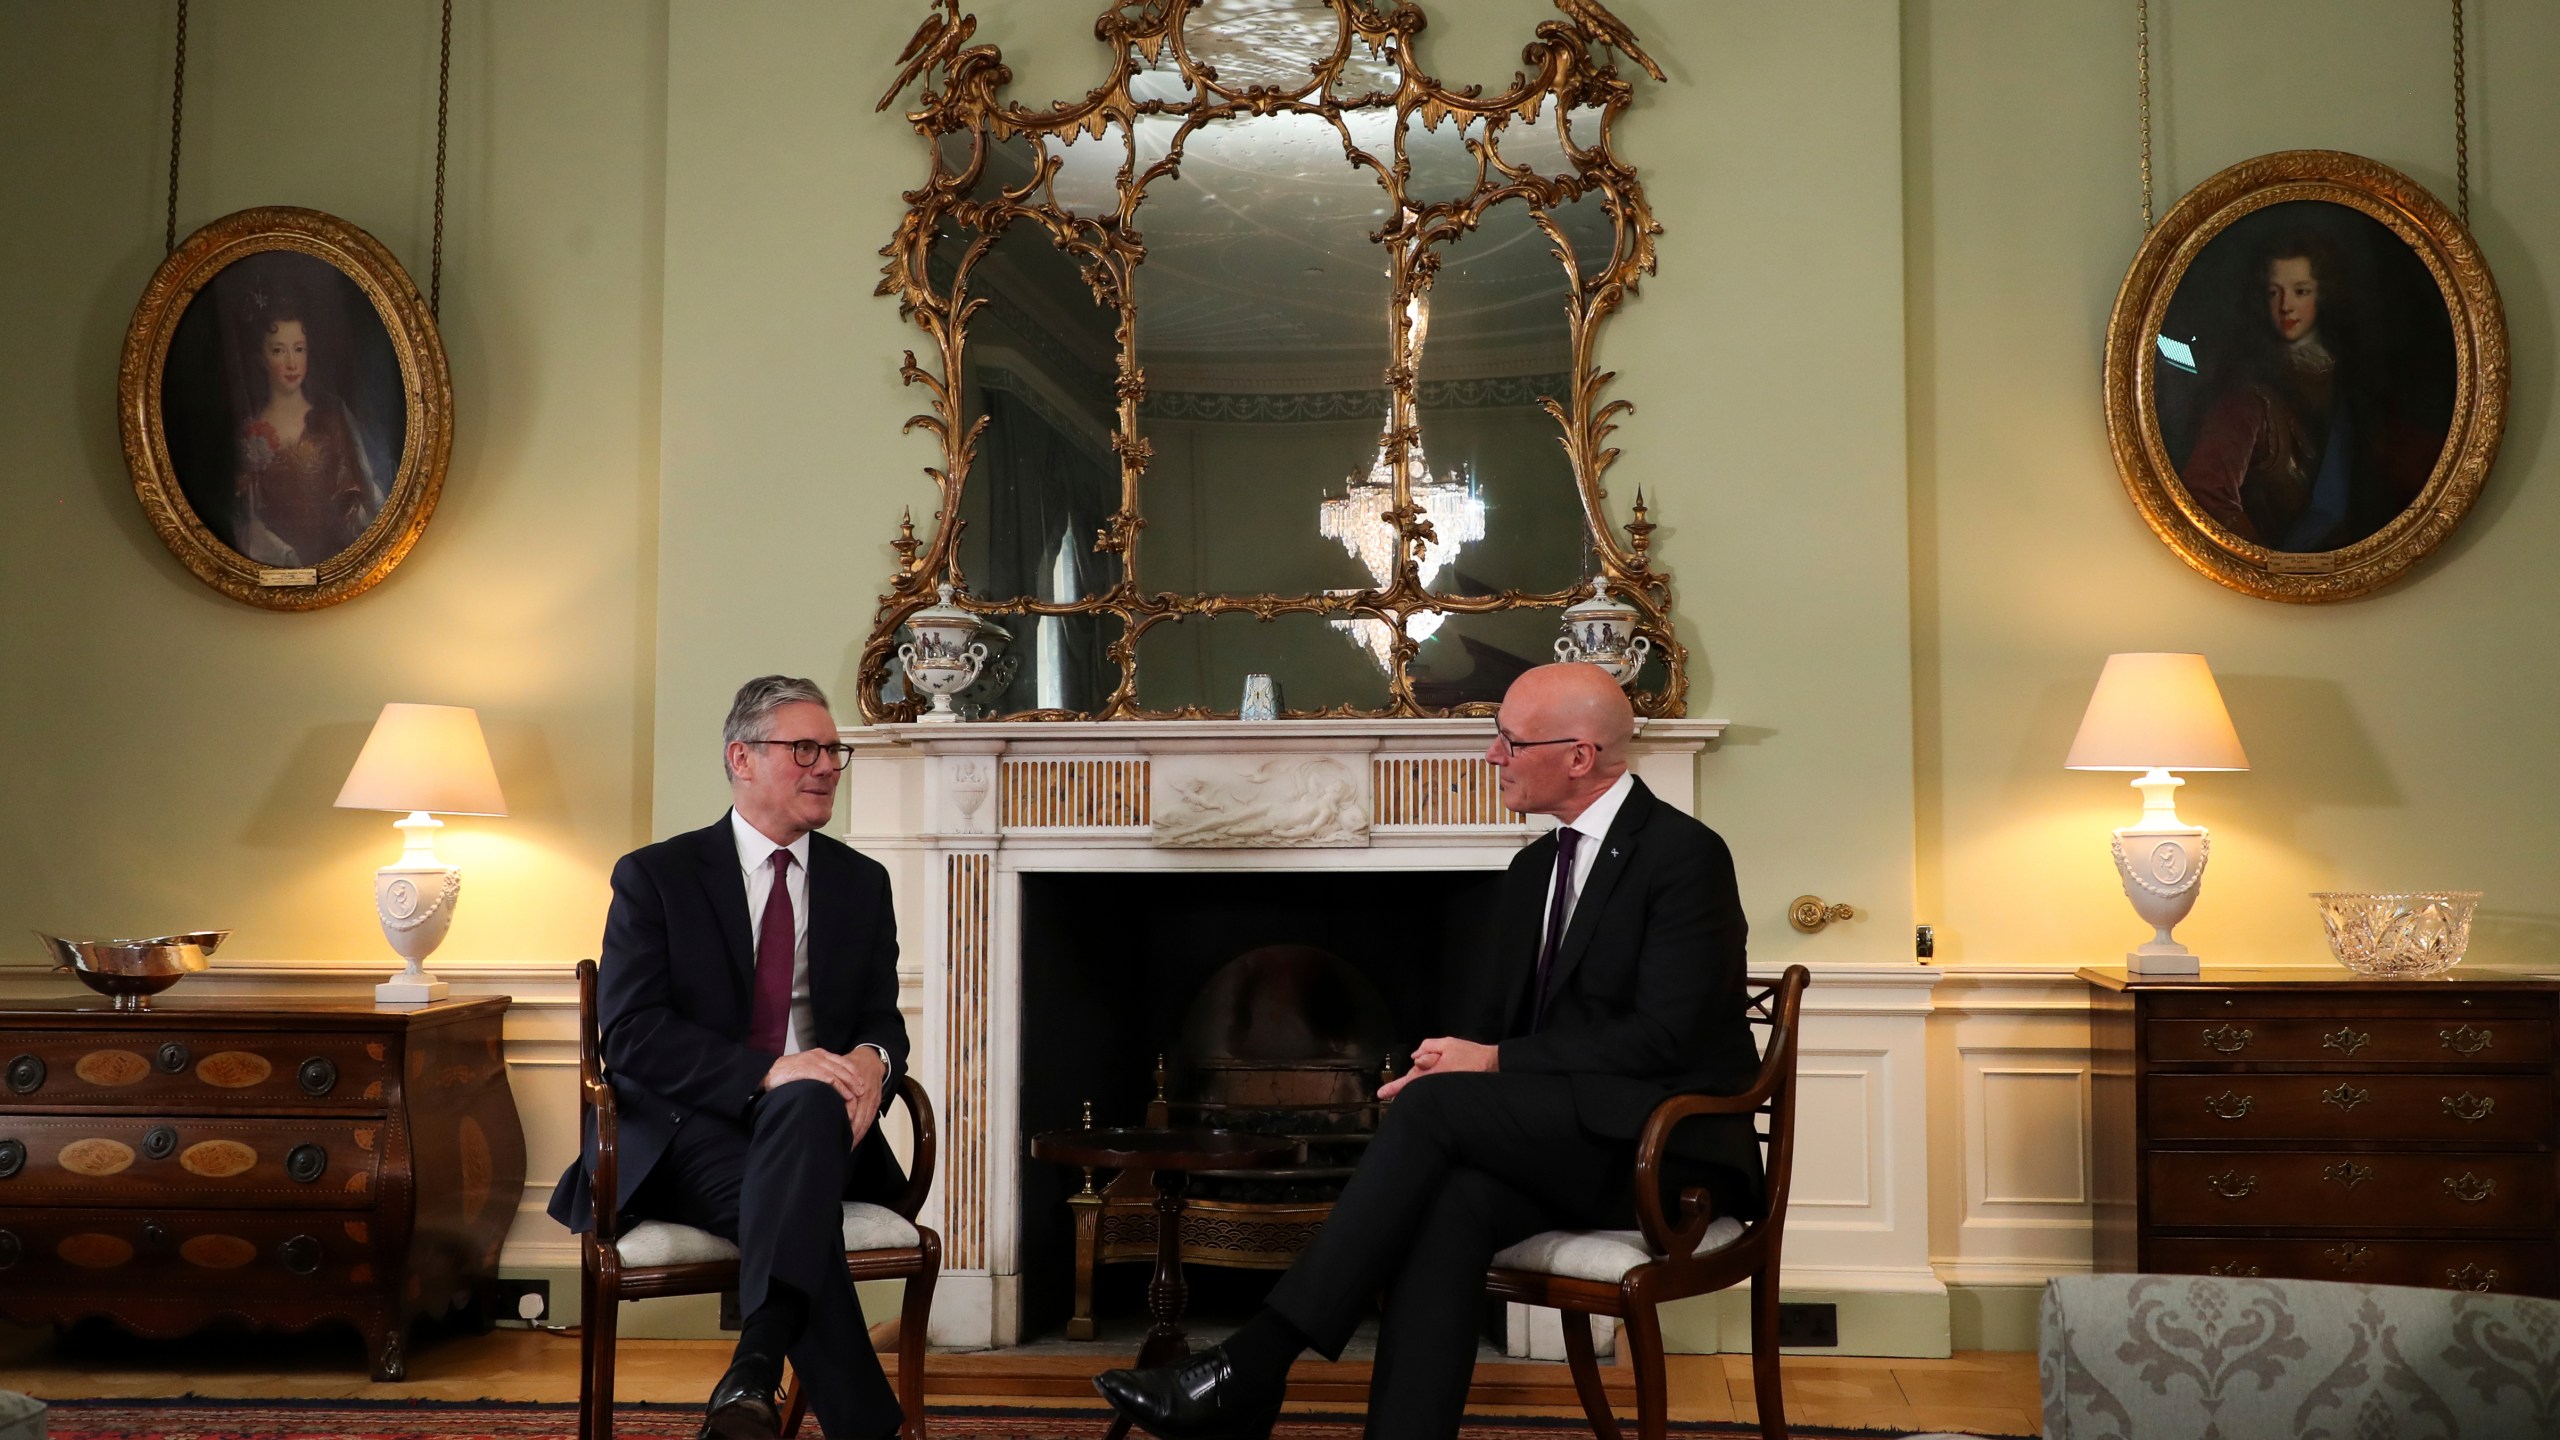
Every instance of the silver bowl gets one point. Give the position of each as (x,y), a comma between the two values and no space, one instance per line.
(130,972)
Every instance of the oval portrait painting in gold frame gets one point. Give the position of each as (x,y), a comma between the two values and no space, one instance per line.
(285,408)
(2306,376)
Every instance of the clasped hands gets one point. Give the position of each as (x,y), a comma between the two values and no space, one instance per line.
(1445,1055)
(859,1077)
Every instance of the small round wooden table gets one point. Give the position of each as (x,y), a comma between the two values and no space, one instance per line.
(1172,1155)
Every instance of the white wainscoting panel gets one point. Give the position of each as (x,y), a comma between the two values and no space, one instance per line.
(2009,1156)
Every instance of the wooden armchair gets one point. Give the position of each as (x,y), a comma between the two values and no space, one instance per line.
(1628,1274)
(640,1260)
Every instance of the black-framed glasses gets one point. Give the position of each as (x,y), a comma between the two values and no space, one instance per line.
(806,752)
(1503,742)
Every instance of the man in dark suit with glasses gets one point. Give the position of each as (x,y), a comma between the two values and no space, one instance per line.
(748,1004)
(1617,980)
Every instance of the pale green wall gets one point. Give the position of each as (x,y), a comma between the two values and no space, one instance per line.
(2398,741)
(171,755)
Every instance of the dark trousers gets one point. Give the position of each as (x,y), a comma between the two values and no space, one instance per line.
(776,1186)
(1461,1167)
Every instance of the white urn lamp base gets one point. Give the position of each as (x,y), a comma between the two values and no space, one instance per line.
(414,900)
(2161,861)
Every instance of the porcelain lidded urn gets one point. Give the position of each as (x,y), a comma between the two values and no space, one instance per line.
(945,656)
(1602,631)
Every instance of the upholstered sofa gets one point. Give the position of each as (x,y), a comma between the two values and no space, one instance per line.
(2183,1357)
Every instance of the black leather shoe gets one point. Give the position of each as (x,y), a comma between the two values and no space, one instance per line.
(1198,1398)
(742,1405)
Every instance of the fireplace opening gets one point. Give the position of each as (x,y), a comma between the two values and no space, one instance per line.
(1313,971)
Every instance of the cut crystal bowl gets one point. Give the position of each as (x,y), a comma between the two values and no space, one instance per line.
(2398,935)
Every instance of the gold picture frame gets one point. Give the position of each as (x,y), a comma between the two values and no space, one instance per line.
(2294,436)
(285,407)
(1571,90)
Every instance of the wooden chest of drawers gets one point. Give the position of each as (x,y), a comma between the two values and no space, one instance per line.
(278,1165)
(2317,1125)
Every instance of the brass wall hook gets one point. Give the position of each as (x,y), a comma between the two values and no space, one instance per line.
(1810,913)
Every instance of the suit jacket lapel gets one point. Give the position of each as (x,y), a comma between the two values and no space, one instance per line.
(829,886)
(1617,851)
(727,886)
(1523,903)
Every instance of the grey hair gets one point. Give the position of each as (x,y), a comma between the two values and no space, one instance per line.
(751,714)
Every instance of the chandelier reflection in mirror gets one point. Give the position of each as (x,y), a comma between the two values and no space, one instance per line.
(1171,323)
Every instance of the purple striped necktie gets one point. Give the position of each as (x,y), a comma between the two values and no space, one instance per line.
(1559,901)
(770,1030)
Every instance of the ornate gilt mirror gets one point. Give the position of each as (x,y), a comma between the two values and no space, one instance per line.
(1271,354)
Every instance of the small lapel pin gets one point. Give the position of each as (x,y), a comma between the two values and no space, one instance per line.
(1613,854)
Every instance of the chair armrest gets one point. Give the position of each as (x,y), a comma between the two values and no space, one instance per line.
(605,1184)
(1678,1239)
(920,1164)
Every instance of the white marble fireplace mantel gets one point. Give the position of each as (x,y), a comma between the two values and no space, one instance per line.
(961,812)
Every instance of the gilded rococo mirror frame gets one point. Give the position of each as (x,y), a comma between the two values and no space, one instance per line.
(1570,66)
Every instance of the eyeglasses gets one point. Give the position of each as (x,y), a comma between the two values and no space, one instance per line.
(1504,745)
(806,752)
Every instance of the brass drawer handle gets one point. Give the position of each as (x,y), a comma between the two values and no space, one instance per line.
(12,1249)
(2231,1185)
(2463,1040)
(2228,1039)
(306,1163)
(26,1075)
(2235,1268)
(2229,1105)
(2469,1108)
(2468,1188)
(159,1142)
(301,1254)
(319,1076)
(2346,1097)
(2348,1173)
(174,1058)
(2470,1277)
(2348,1258)
(2347,1041)
(13,1157)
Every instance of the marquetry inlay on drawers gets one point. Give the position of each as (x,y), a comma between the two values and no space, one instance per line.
(284,1165)
(2313,1124)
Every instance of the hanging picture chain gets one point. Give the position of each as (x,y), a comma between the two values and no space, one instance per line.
(2461,127)
(444,96)
(177,115)
(2142,81)
(2142,64)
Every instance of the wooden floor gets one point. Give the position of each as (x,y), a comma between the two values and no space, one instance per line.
(1989,1392)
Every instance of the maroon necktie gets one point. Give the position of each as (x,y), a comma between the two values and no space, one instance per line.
(1559,900)
(770,1030)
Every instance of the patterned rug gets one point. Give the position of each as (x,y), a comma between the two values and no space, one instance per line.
(194,1419)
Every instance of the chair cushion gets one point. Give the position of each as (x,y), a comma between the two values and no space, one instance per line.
(1602,1255)
(663,1242)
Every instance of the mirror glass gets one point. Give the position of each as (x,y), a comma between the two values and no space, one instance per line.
(1262,331)
(1273,44)
(1044,662)
(1472,659)
(1038,369)
(1202,661)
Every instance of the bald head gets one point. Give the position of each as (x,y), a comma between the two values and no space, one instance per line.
(1577,700)
(1552,704)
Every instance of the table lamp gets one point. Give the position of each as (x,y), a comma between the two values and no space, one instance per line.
(425,760)
(2154,713)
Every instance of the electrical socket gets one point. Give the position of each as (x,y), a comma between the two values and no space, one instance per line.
(1809,1325)
(524,1299)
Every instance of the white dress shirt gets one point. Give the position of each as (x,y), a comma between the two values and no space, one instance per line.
(1594,823)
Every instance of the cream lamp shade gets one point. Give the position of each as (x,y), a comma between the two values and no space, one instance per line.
(2155,711)
(425,757)
(421,760)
